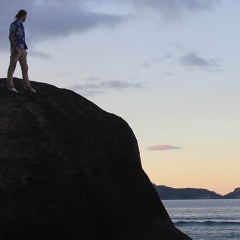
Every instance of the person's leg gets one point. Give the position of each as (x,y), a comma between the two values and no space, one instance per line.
(24,67)
(12,66)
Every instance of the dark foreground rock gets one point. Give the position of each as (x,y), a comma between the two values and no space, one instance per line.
(71,171)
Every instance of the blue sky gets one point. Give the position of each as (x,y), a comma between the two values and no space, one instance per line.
(168,67)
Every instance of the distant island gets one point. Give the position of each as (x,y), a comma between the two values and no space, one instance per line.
(168,193)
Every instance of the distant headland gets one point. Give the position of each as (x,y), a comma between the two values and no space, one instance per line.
(168,193)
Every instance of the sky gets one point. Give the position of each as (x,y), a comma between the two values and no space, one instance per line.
(167,67)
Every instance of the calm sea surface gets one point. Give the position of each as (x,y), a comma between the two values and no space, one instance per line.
(206,219)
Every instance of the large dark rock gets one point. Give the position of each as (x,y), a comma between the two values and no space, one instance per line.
(71,171)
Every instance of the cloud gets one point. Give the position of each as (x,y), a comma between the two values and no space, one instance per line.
(177,4)
(116,84)
(66,19)
(194,60)
(92,79)
(93,86)
(146,65)
(162,147)
(86,89)
(58,19)
(172,9)
(41,55)
(49,20)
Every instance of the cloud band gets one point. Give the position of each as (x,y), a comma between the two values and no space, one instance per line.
(162,147)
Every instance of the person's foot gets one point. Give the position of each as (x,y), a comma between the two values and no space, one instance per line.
(13,89)
(30,89)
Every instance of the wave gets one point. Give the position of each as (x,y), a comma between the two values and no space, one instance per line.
(209,223)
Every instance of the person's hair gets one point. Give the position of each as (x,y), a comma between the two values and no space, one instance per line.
(20,14)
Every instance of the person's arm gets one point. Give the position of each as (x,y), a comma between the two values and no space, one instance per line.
(13,45)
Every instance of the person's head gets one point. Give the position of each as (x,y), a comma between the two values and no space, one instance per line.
(21,16)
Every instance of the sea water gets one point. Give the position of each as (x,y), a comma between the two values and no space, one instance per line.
(208,219)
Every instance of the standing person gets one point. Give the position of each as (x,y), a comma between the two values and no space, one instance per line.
(18,51)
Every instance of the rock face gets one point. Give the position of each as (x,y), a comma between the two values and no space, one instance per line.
(70,171)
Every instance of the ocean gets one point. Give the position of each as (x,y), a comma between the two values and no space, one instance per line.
(210,219)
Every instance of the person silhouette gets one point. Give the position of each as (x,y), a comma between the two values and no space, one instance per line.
(18,51)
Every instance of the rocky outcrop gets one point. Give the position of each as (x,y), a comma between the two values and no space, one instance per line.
(168,193)
(70,171)
(233,195)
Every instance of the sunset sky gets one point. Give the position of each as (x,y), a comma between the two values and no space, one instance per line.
(170,68)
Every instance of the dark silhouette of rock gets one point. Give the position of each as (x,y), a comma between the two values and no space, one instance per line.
(168,193)
(70,171)
(233,195)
